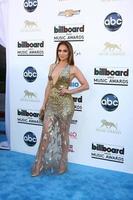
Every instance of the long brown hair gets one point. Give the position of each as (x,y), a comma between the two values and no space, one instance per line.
(70,52)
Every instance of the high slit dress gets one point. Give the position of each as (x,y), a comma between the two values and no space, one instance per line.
(54,141)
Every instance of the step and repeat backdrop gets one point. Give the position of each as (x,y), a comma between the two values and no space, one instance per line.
(100,32)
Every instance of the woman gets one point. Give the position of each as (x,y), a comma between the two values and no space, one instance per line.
(58,108)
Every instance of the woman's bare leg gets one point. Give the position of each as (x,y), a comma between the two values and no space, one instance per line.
(64,129)
(44,141)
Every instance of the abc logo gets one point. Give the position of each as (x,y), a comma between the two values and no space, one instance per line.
(74,84)
(30,74)
(109,102)
(30,139)
(30,5)
(113,21)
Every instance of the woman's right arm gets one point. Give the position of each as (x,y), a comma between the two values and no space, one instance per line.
(47,89)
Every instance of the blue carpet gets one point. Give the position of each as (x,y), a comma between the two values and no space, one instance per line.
(79,183)
(3,138)
(2,125)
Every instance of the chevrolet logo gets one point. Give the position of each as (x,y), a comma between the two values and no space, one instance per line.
(69,13)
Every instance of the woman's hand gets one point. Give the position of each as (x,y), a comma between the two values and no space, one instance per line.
(64,91)
(42,108)
(41,113)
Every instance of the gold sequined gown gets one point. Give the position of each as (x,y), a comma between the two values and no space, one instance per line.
(54,142)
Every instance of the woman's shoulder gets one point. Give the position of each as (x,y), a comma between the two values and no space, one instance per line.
(74,68)
(52,65)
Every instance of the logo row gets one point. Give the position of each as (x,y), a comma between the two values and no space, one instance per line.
(112,21)
(98,151)
(30,138)
(102,76)
(36,48)
(109,102)
(31,117)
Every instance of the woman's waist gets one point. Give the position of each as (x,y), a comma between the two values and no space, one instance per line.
(60,86)
(55,94)
(57,89)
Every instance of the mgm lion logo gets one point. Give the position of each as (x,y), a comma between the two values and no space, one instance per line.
(111,47)
(29,94)
(30,25)
(107,124)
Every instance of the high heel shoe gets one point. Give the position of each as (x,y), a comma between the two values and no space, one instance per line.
(62,171)
(63,167)
(36,172)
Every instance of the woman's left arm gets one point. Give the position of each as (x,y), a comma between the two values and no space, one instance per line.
(84,85)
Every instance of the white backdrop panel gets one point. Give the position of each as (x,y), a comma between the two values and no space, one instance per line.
(98,137)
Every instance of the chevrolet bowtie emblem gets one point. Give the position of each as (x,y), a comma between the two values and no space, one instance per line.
(69,13)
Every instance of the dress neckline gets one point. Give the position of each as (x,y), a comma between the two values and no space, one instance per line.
(54,83)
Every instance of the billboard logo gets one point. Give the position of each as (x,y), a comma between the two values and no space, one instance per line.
(30,5)
(28,117)
(30,48)
(69,33)
(77,103)
(30,74)
(30,139)
(68,29)
(109,102)
(107,152)
(111,76)
(113,21)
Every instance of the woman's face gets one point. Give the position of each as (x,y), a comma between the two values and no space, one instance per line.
(63,53)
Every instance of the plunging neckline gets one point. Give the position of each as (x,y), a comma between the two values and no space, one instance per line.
(58,73)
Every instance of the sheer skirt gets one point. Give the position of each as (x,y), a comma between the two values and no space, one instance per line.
(52,154)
